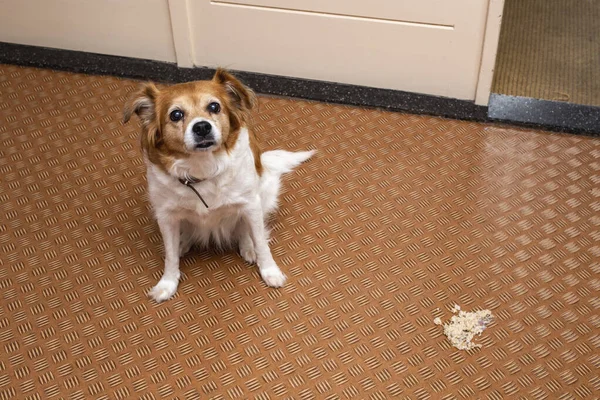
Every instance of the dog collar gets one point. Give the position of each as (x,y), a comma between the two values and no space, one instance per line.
(189,182)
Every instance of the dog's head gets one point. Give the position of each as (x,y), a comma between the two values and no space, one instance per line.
(191,118)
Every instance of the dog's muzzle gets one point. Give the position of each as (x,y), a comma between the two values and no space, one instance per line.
(203,136)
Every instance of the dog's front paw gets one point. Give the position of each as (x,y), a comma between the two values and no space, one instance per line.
(273,276)
(164,289)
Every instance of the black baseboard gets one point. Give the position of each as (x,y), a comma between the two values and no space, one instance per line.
(99,64)
(576,119)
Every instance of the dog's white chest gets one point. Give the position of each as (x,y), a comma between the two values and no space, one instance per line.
(224,194)
(218,199)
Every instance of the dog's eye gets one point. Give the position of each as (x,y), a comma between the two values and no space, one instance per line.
(214,107)
(176,115)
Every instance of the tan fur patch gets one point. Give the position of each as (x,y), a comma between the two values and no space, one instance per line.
(256,152)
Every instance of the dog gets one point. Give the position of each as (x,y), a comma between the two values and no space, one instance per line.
(208,181)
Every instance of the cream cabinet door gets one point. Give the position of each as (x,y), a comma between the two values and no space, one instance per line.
(424,46)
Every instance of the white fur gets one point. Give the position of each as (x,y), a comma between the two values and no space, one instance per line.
(239,201)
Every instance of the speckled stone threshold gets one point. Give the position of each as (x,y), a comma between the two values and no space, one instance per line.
(571,117)
(543,114)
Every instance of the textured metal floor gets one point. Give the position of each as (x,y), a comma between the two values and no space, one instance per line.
(396,219)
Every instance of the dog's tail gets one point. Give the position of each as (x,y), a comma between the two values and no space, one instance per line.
(276,163)
(281,161)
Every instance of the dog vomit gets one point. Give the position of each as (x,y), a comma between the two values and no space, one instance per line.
(463,327)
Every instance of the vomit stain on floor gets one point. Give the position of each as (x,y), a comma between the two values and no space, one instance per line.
(463,327)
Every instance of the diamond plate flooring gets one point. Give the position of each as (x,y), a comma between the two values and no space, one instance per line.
(395,220)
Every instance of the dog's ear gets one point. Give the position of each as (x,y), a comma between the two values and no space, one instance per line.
(143,103)
(242,97)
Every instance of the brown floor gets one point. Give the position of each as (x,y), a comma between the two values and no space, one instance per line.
(550,49)
(398,218)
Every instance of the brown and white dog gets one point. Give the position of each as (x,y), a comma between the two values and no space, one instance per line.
(208,181)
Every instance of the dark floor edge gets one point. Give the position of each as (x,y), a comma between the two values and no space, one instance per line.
(553,115)
(585,121)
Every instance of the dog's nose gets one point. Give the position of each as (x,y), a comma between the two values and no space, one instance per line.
(202,128)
